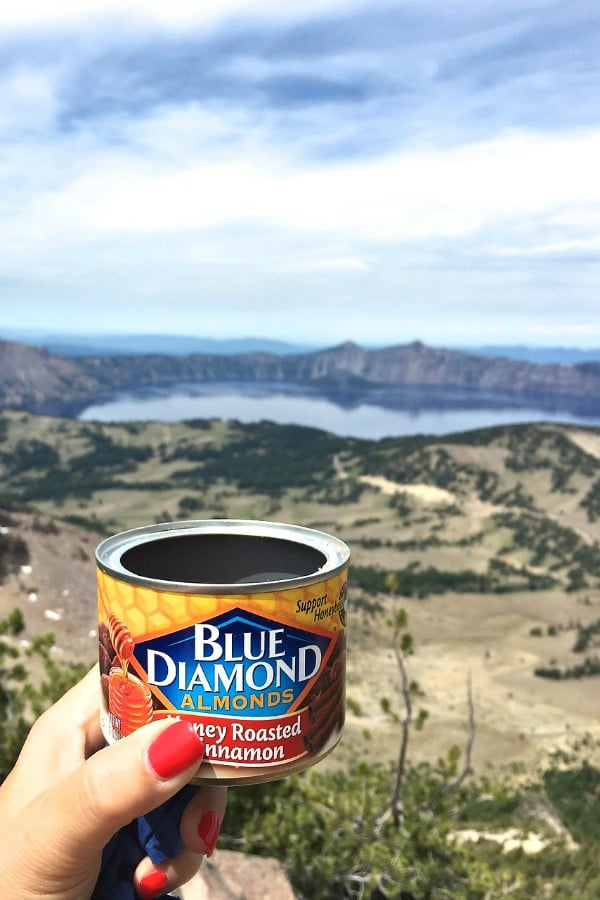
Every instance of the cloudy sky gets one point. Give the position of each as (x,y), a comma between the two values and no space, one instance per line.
(314,170)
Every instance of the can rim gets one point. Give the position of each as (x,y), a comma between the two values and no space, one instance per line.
(110,551)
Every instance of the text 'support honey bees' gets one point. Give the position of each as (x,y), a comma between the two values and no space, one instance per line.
(238,626)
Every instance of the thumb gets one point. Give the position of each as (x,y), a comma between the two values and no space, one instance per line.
(76,817)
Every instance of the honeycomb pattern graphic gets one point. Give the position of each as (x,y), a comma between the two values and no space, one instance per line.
(149,613)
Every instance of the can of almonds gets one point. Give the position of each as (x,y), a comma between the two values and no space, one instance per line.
(237,626)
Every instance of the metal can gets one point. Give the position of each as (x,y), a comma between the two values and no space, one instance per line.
(238,626)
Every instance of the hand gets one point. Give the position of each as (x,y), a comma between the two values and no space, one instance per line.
(66,798)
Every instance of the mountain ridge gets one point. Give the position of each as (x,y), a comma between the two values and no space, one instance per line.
(136,343)
(35,379)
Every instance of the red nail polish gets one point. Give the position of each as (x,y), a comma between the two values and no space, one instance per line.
(153,885)
(175,750)
(208,830)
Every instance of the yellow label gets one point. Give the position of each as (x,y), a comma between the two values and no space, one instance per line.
(261,675)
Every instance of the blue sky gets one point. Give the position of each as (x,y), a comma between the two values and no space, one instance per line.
(378,171)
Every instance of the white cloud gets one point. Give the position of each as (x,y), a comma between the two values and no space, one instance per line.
(174,14)
(328,264)
(403,197)
(27,100)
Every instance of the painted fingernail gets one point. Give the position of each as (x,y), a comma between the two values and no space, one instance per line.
(175,750)
(153,885)
(208,830)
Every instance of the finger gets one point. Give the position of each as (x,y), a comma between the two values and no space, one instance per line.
(58,741)
(153,880)
(117,784)
(78,708)
(134,775)
(76,703)
(202,818)
(200,825)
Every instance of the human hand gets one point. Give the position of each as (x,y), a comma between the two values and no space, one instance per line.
(66,798)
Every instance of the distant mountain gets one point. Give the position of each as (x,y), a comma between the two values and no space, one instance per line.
(567,355)
(34,379)
(133,344)
(140,344)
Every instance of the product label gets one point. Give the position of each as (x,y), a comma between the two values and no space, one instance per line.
(237,661)
(261,676)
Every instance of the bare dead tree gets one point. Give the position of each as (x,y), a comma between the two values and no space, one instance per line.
(466,767)
(402,645)
(394,808)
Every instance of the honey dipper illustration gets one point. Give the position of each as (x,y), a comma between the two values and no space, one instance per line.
(128,699)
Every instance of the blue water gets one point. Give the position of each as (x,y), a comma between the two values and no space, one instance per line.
(363,415)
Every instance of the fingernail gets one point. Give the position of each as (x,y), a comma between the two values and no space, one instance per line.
(153,885)
(208,830)
(175,750)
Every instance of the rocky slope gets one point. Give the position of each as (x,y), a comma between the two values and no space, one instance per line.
(33,379)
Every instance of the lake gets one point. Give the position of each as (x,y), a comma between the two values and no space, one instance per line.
(365,414)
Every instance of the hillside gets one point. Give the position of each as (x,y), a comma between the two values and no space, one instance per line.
(31,378)
(490,541)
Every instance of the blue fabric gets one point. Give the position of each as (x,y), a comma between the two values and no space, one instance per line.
(155,835)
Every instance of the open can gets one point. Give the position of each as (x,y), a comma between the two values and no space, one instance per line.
(238,626)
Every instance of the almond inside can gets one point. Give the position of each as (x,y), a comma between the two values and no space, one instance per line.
(238,626)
